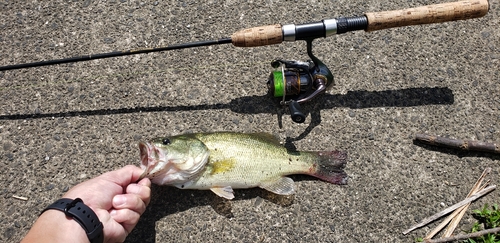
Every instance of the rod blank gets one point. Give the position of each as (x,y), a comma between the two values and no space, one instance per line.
(115,54)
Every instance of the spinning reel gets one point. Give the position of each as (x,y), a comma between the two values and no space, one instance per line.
(296,82)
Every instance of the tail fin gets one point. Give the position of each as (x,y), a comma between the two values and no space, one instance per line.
(330,167)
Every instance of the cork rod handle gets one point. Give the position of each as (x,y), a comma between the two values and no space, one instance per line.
(429,14)
(437,13)
(258,36)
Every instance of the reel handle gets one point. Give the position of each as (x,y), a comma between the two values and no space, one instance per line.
(436,13)
(295,112)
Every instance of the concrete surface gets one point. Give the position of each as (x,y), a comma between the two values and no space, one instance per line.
(60,125)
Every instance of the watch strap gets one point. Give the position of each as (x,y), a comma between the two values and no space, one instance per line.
(82,214)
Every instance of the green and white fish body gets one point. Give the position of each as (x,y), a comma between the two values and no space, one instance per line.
(224,161)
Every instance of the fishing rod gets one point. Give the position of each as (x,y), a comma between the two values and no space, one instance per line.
(293,81)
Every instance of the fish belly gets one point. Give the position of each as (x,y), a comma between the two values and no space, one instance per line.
(247,171)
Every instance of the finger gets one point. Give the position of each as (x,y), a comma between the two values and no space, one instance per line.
(129,201)
(145,182)
(143,192)
(125,175)
(113,231)
(126,217)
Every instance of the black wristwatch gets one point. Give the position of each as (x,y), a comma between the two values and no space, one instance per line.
(82,214)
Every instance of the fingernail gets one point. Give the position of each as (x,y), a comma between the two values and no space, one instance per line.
(118,200)
(112,213)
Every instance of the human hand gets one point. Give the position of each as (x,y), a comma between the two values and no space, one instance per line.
(116,199)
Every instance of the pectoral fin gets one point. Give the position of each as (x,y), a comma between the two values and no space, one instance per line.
(281,186)
(225,192)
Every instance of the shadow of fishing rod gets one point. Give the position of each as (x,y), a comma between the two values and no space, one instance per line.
(266,104)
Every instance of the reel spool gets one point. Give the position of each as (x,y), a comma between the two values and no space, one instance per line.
(296,82)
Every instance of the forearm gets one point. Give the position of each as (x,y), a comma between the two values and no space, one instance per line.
(54,226)
(114,197)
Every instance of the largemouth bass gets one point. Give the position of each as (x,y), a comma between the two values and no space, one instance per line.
(225,161)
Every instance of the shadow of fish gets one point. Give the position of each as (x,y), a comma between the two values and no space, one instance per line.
(224,161)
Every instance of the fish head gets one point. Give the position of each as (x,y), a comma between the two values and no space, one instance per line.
(173,160)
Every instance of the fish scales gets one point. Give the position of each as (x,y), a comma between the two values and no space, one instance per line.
(244,161)
(225,161)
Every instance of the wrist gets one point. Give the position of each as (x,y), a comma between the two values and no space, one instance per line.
(83,215)
(69,213)
(54,226)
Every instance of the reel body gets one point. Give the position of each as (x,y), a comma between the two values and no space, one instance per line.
(296,82)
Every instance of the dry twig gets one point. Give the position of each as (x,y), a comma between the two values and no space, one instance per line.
(470,145)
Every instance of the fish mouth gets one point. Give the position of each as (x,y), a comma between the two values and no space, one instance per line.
(148,155)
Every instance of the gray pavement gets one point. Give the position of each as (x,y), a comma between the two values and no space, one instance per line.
(60,125)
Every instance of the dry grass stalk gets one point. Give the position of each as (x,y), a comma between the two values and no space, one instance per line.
(456,216)
(464,237)
(456,220)
(451,208)
(20,198)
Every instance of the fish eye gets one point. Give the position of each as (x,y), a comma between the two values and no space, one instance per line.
(165,141)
